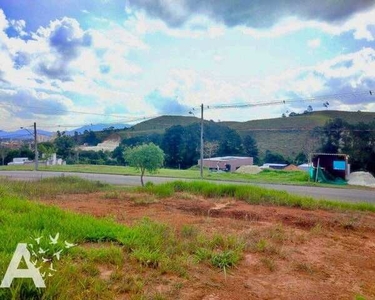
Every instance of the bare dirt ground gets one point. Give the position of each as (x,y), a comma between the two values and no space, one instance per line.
(306,254)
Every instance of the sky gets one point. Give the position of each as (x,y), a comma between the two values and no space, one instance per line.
(67,63)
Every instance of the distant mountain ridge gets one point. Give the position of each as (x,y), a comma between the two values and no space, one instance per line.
(23,134)
(97,127)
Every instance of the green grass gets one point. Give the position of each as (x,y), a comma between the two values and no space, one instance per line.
(147,244)
(266,176)
(51,187)
(254,195)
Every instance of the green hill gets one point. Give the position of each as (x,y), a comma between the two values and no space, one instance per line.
(157,125)
(287,136)
(291,135)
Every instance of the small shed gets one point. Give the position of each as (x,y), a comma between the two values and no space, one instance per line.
(335,164)
(226,163)
(273,166)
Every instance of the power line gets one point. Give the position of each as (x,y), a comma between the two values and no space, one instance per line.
(135,119)
(316,129)
(288,100)
(63,110)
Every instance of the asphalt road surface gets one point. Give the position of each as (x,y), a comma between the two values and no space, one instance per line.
(343,194)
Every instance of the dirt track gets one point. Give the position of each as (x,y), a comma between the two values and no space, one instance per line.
(309,254)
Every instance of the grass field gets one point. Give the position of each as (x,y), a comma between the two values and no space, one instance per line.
(179,249)
(253,195)
(101,242)
(266,176)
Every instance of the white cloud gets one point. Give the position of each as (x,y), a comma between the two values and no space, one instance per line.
(3,21)
(198,27)
(315,43)
(358,24)
(19,26)
(100,73)
(218,58)
(346,75)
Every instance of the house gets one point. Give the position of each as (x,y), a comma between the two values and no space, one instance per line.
(226,163)
(273,166)
(19,161)
(334,164)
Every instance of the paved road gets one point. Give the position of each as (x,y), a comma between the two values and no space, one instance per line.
(350,195)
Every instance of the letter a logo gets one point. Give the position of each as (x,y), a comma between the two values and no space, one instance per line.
(13,271)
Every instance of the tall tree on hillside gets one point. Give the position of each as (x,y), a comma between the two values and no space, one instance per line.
(231,143)
(118,155)
(3,153)
(360,145)
(172,145)
(91,138)
(333,135)
(250,147)
(154,138)
(274,158)
(191,143)
(64,146)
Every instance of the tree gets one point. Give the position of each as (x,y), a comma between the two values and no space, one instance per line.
(250,147)
(3,153)
(301,158)
(90,138)
(231,143)
(333,136)
(274,158)
(143,139)
(64,145)
(47,149)
(210,149)
(147,157)
(173,146)
(118,155)
(359,143)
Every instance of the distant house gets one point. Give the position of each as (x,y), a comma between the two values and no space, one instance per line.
(19,161)
(305,167)
(273,166)
(336,164)
(226,163)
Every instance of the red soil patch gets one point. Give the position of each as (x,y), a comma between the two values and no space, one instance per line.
(314,255)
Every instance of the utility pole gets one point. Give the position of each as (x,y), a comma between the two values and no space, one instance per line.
(202,140)
(36,147)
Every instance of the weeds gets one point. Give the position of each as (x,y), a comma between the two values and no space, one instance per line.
(261,245)
(49,187)
(269,263)
(100,242)
(188,231)
(317,229)
(253,195)
(112,195)
(304,267)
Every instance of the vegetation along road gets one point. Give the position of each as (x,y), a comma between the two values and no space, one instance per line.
(348,195)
